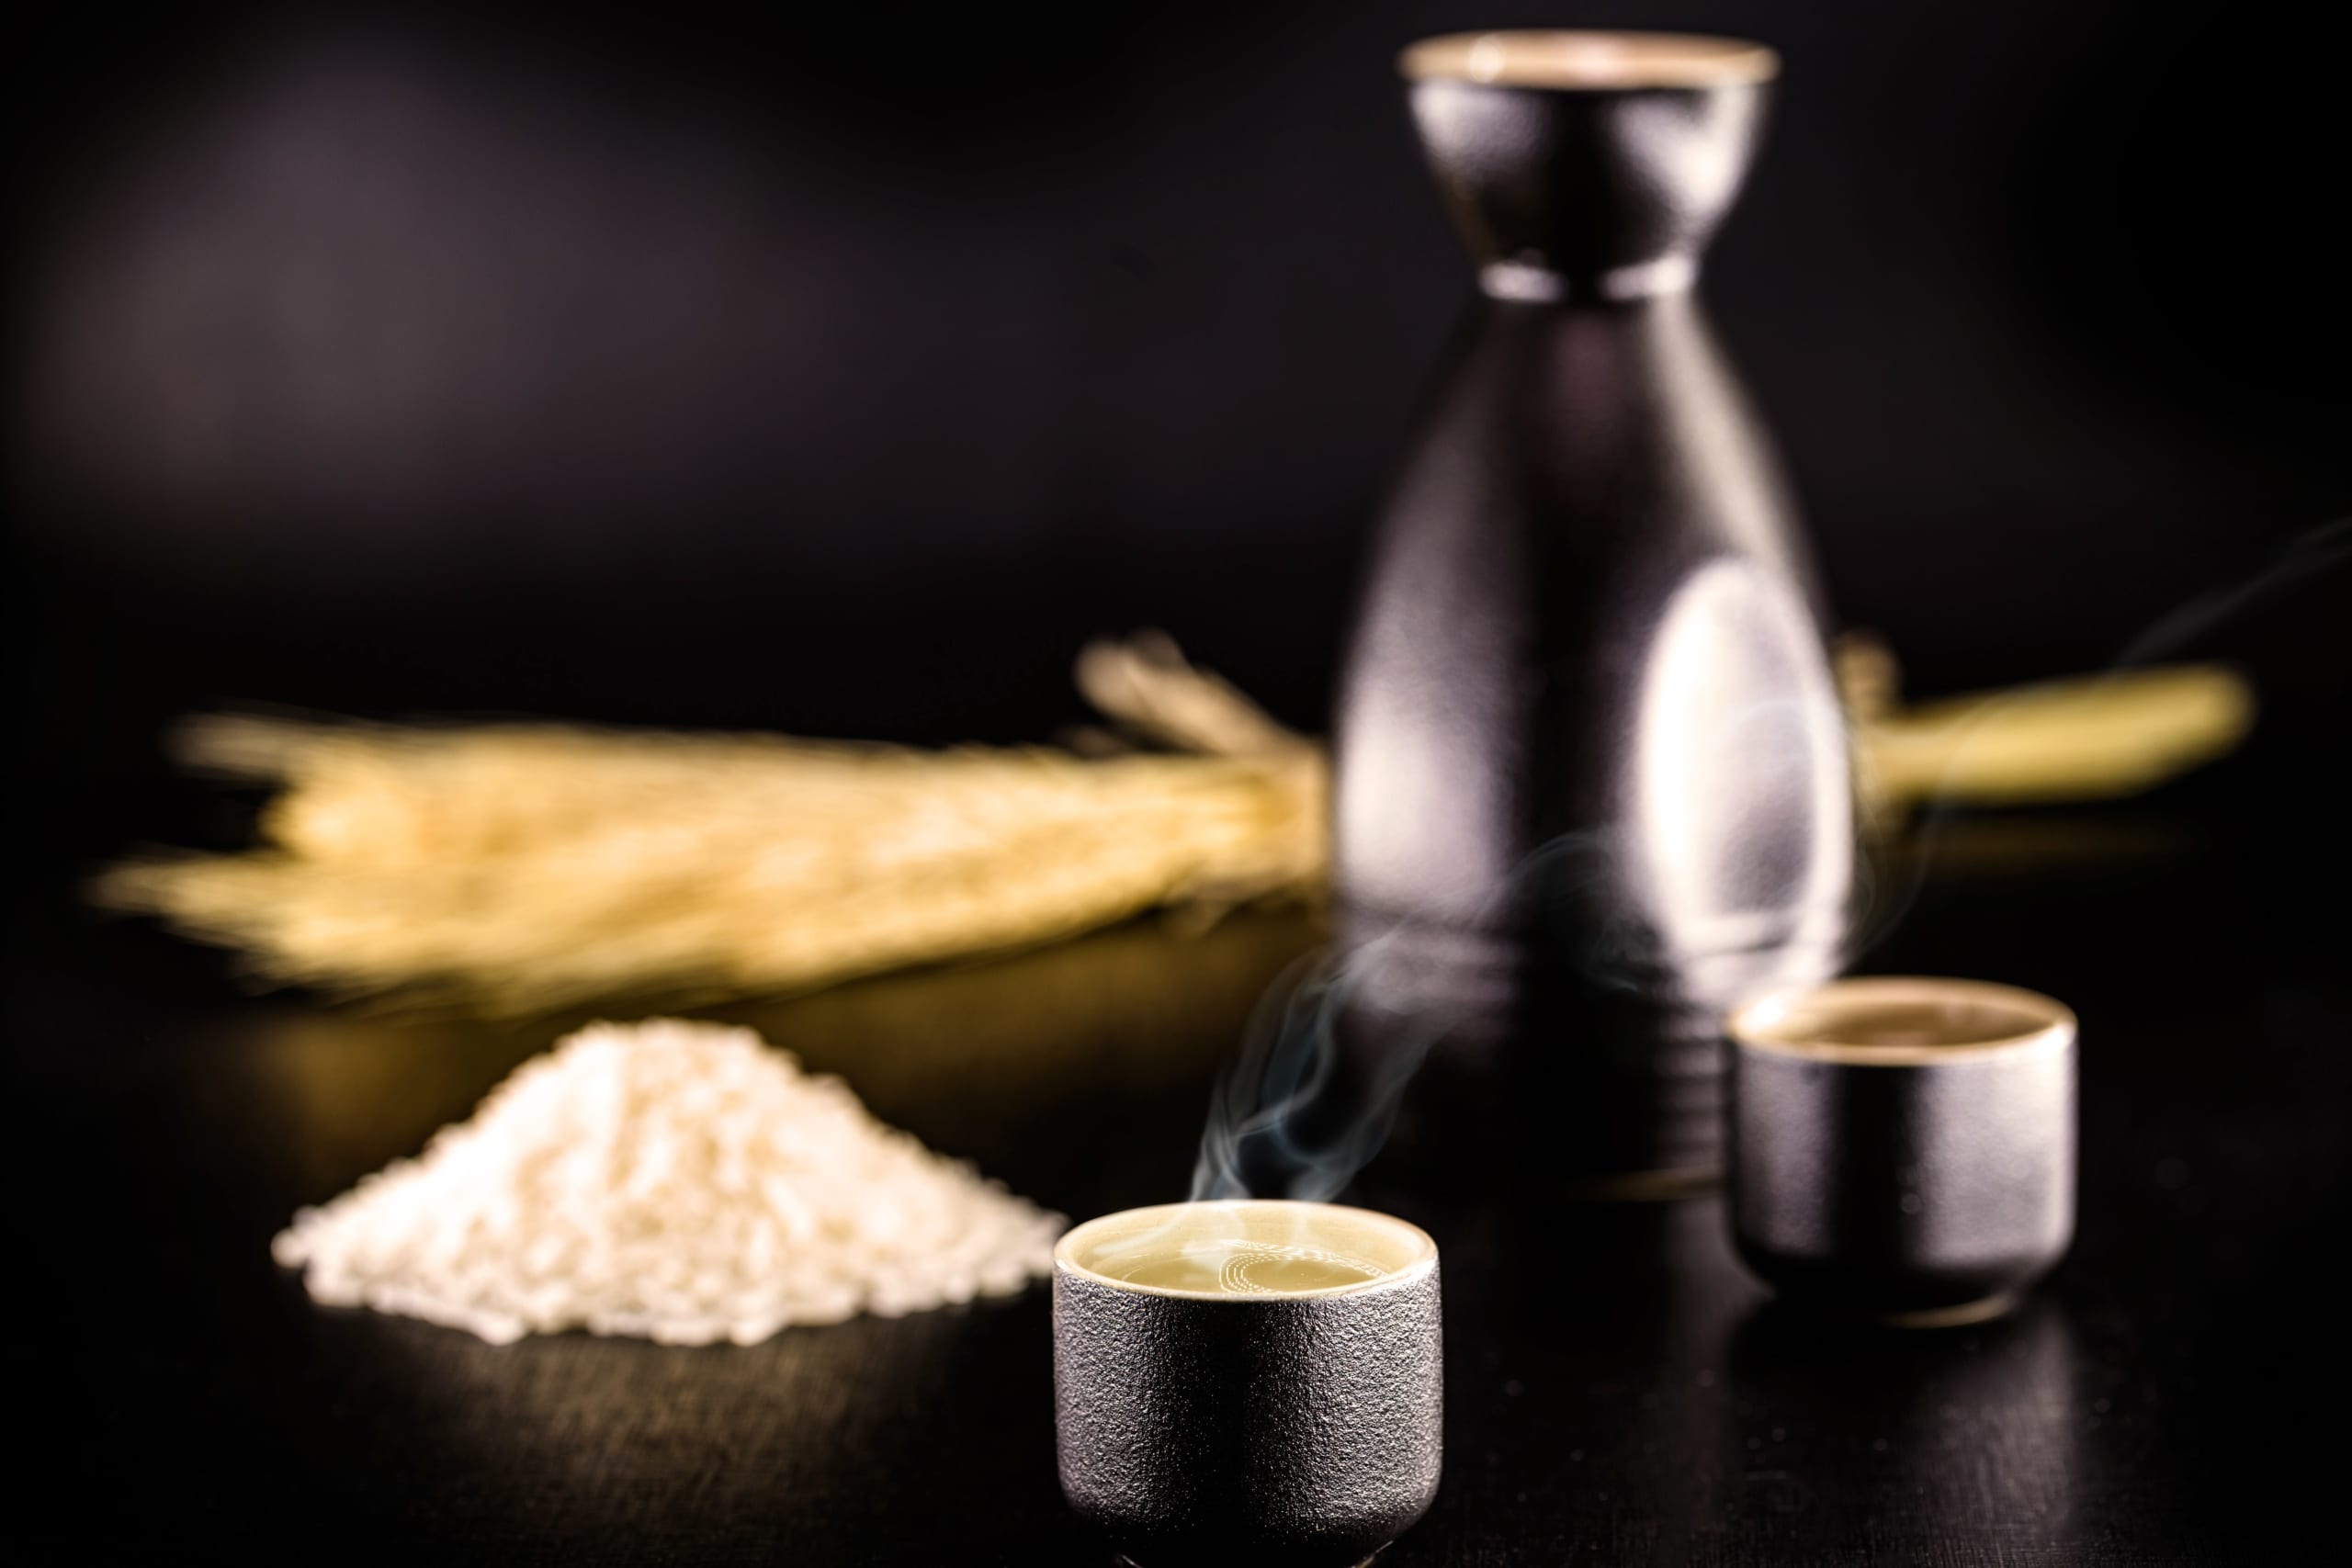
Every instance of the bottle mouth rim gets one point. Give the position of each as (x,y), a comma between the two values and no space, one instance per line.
(1576,61)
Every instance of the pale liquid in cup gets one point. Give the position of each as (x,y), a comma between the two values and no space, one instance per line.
(1237,1268)
(1872,1023)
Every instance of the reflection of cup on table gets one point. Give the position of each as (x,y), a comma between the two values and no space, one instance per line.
(1248,1382)
(1903,1148)
(1984,1423)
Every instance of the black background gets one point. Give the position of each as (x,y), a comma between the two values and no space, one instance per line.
(841,374)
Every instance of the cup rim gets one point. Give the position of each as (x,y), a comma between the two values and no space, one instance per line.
(1423,1260)
(1588,59)
(1750,1026)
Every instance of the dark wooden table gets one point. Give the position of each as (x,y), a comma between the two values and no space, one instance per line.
(1617,1390)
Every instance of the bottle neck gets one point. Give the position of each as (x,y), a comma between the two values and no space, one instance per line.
(1533,283)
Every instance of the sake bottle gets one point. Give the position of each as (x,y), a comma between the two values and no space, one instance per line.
(1592,783)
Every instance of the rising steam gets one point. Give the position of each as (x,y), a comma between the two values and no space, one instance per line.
(1312,1097)
(1881,900)
(1333,1046)
(1304,1108)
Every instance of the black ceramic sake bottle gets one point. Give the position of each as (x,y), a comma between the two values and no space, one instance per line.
(1592,783)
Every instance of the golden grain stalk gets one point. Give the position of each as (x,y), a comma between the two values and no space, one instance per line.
(516,868)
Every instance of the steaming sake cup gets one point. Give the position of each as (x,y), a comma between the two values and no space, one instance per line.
(1903,1148)
(1250,1383)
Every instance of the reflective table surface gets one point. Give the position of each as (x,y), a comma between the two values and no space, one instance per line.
(1619,1390)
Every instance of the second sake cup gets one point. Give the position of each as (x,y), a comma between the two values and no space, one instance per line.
(1903,1149)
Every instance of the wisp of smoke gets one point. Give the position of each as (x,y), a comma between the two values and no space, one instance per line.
(1332,1046)
(1881,901)
(1314,1093)
(1303,1110)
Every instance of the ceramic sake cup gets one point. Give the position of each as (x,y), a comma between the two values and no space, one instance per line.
(1903,1149)
(1203,1428)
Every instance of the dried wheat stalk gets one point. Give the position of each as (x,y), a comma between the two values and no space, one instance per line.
(516,868)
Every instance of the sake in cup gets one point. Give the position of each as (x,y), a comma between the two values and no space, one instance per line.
(1248,1382)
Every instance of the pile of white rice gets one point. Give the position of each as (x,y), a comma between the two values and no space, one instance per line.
(680,1182)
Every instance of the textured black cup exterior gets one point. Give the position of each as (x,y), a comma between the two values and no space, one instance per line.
(1249,1431)
(1899,1189)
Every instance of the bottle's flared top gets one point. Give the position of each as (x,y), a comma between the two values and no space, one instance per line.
(1588,165)
(1580,60)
